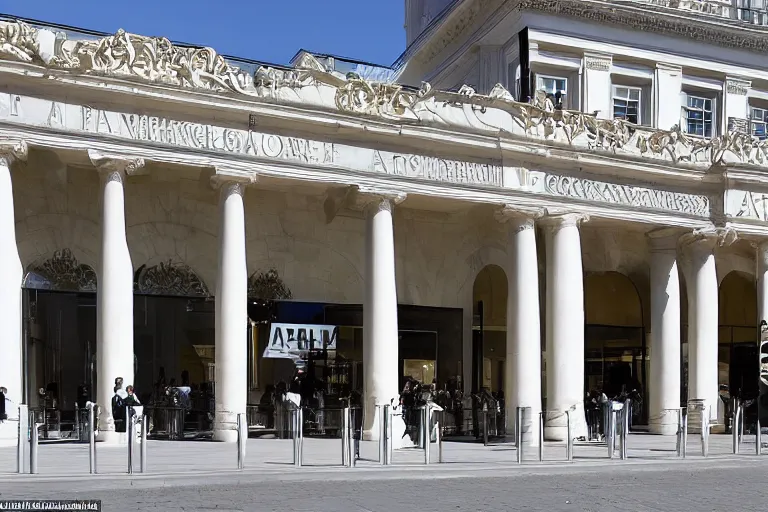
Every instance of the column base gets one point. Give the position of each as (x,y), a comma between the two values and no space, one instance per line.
(110,437)
(665,424)
(530,428)
(556,428)
(225,435)
(9,433)
(399,440)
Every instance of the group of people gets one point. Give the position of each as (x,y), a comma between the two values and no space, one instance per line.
(123,399)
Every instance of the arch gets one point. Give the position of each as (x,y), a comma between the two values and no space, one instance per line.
(738,300)
(491,287)
(737,333)
(61,272)
(170,279)
(611,298)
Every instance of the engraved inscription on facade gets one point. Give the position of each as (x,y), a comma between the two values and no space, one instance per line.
(201,136)
(626,195)
(748,205)
(437,169)
(598,63)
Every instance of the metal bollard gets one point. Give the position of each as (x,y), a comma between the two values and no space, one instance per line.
(350,440)
(34,442)
(625,419)
(242,439)
(735,430)
(679,446)
(685,434)
(519,434)
(91,436)
(344,434)
(130,430)
(382,442)
(385,429)
(439,438)
(758,437)
(143,448)
(705,431)
(610,430)
(426,432)
(23,438)
(389,434)
(485,425)
(298,437)
(569,440)
(541,435)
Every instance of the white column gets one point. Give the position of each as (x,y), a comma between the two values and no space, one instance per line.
(762,281)
(114,296)
(231,387)
(664,381)
(703,319)
(11,275)
(565,327)
(380,331)
(523,359)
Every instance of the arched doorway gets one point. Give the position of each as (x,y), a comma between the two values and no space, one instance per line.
(489,329)
(614,342)
(737,336)
(59,321)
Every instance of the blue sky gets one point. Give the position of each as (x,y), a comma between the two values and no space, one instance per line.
(265,30)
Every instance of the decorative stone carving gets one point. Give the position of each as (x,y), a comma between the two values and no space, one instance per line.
(110,164)
(597,62)
(169,278)
(376,198)
(11,150)
(267,286)
(62,272)
(740,87)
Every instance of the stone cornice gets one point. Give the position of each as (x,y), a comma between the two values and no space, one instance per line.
(157,62)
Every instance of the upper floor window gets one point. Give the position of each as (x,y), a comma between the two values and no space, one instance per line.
(698,115)
(555,88)
(626,103)
(758,121)
(752,11)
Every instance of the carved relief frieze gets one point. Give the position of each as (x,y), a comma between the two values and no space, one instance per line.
(171,279)
(62,272)
(734,86)
(597,63)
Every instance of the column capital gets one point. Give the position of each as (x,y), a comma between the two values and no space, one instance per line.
(13,149)
(664,239)
(518,217)
(374,198)
(708,238)
(113,165)
(232,183)
(555,220)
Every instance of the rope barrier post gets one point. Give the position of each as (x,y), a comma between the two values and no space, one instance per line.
(23,437)
(426,433)
(242,439)
(610,430)
(34,442)
(439,437)
(90,406)
(541,435)
(344,432)
(569,440)
(685,433)
(143,447)
(735,428)
(386,428)
(704,431)
(758,437)
(130,432)
(485,424)
(519,434)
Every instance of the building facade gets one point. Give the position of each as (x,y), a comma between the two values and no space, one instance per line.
(592,173)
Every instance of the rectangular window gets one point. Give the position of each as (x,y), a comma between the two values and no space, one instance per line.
(752,11)
(698,115)
(758,120)
(554,88)
(626,103)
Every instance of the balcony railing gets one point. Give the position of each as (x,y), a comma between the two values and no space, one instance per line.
(754,12)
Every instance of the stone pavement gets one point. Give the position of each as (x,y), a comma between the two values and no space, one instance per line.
(203,460)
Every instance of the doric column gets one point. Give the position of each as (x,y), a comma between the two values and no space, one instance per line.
(703,319)
(664,381)
(523,358)
(565,327)
(114,295)
(231,386)
(380,327)
(11,276)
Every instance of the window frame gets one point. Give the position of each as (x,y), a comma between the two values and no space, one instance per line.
(538,77)
(685,109)
(628,99)
(763,121)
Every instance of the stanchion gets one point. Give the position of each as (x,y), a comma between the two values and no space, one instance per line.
(542,415)
(298,437)
(389,434)
(91,436)
(350,439)
(626,413)
(758,437)
(131,433)
(439,437)
(344,434)
(386,429)
(610,430)
(242,439)
(679,446)
(23,438)
(485,424)
(426,419)
(685,433)
(34,442)
(519,434)
(569,440)
(704,431)
(382,443)
(143,448)
(735,428)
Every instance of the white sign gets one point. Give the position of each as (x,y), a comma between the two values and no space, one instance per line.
(289,341)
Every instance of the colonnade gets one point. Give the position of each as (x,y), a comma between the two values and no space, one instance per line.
(564,312)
